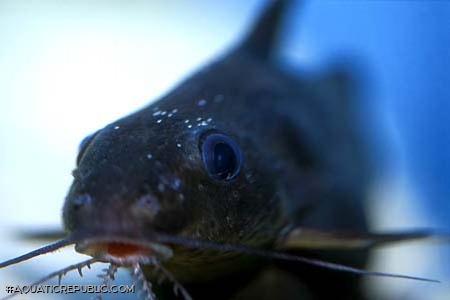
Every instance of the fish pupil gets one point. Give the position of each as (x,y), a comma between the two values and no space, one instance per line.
(224,160)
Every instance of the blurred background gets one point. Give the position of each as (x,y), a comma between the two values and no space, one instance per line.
(70,67)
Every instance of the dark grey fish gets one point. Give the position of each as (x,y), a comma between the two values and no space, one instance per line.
(242,181)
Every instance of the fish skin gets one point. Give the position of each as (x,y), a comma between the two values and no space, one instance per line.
(304,165)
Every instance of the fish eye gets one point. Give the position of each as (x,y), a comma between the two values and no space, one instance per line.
(221,156)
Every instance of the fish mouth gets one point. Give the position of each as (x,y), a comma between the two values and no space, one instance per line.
(123,251)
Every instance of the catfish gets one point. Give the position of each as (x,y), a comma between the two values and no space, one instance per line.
(246,181)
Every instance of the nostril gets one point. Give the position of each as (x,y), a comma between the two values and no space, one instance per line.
(81,201)
(148,204)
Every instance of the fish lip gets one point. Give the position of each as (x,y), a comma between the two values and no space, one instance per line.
(149,252)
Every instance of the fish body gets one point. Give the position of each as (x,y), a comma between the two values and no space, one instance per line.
(246,181)
(240,153)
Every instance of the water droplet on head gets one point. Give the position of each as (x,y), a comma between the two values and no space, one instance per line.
(201,102)
(176,183)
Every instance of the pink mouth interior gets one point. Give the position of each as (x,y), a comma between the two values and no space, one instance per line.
(123,250)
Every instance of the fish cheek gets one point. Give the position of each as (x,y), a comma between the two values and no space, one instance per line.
(226,212)
(257,201)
